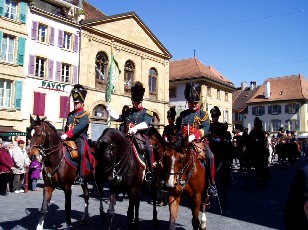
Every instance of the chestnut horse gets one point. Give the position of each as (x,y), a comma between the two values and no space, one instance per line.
(185,176)
(57,173)
(116,160)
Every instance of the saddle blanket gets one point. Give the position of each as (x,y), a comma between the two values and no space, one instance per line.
(139,157)
(74,164)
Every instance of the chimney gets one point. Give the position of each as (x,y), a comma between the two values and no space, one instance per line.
(243,85)
(253,85)
(267,90)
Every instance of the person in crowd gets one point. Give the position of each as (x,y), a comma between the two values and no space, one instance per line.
(297,207)
(76,128)
(21,162)
(170,129)
(137,120)
(194,123)
(35,172)
(21,145)
(6,167)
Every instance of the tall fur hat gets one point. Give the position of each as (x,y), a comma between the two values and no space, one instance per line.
(191,92)
(137,91)
(171,113)
(258,123)
(79,93)
(215,112)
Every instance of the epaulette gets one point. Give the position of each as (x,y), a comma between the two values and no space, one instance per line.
(150,112)
(82,115)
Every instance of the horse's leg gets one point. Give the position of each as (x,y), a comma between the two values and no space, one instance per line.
(203,215)
(133,206)
(85,217)
(110,212)
(174,202)
(195,203)
(137,205)
(155,188)
(47,192)
(99,182)
(68,205)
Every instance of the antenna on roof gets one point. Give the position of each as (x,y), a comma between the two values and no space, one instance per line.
(194,53)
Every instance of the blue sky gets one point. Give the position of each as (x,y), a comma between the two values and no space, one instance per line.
(245,40)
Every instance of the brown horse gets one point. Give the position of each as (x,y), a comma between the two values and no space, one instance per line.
(57,173)
(185,176)
(117,161)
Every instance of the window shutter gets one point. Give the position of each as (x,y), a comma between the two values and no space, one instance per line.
(18,94)
(297,107)
(21,51)
(279,109)
(1,7)
(52,36)
(253,110)
(58,70)
(31,64)
(286,108)
(76,41)
(60,39)
(64,106)
(39,104)
(23,12)
(269,109)
(1,36)
(50,69)
(75,76)
(262,110)
(34,30)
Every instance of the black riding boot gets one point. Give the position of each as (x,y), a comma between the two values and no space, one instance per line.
(211,188)
(149,174)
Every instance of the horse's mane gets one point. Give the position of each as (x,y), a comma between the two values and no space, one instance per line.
(113,129)
(43,120)
(157,134)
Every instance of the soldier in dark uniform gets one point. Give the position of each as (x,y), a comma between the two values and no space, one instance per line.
(137,120)
(195,123)
(76,128)
(169,130)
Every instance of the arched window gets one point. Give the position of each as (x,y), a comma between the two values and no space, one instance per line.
(129,72)
(99,112)
(153,83)
(101,69)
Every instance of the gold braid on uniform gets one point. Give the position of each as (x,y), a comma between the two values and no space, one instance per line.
(82,115)
(201,120)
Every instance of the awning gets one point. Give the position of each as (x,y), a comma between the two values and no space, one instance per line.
(10,131)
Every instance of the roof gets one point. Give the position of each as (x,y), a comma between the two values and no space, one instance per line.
(240,97)
(91,12)
(293,87)
(192,68)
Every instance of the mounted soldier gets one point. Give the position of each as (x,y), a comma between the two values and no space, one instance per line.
(137,121)
(195,123)
(76,128)
(170,129)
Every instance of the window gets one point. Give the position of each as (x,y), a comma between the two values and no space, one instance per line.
(40,66)
(64,106)
(292,108)
(226,116)
(10,9)
(293,125)
(152,81)
(226,96)
(209,89)
(259,110)
(7,49)
(39,104)
(42,33)
(101,66)
(67,40)
(65,73)
(274,109)
(276,124)
(172,92)
(5,93)
(100,112)
(238,117)
(129,71)
(218,94)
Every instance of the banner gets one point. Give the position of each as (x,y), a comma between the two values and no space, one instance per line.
(113,74)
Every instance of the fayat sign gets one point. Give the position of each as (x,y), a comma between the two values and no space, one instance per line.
(56,86)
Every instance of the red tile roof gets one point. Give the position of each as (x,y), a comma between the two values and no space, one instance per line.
(91,12)
(292,87)
(192,68)
(240,97)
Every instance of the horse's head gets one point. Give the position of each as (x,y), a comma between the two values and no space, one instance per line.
(39,134)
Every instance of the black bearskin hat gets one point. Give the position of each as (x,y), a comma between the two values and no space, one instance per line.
(79,93)
(137,91)
(281,129)
(191,92)
(215,112)
(171,113)
(258,123)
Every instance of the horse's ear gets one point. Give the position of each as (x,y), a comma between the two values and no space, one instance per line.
(31,119)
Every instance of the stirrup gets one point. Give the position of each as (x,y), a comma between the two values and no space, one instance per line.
(149,177)
(212,191)
(79,180)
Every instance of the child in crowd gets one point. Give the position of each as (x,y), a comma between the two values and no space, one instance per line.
(35,172)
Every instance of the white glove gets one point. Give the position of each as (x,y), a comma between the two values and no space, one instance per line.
(112,112)
(64,136)
(133,130)
(191,138)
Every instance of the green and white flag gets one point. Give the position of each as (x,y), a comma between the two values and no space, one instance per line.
(113,74)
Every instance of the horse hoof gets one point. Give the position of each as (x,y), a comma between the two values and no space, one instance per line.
(83,222)
(102,215)
(155,222)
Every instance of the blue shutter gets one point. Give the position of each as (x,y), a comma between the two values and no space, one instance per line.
(1,7)
(253,110)
(297,107)
(279,109)
(21,51)
(23,12)
(269,109)
(286,108)
(18,94)
(1,35)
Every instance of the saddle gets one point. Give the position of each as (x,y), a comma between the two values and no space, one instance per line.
(139,142)
(72,148)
